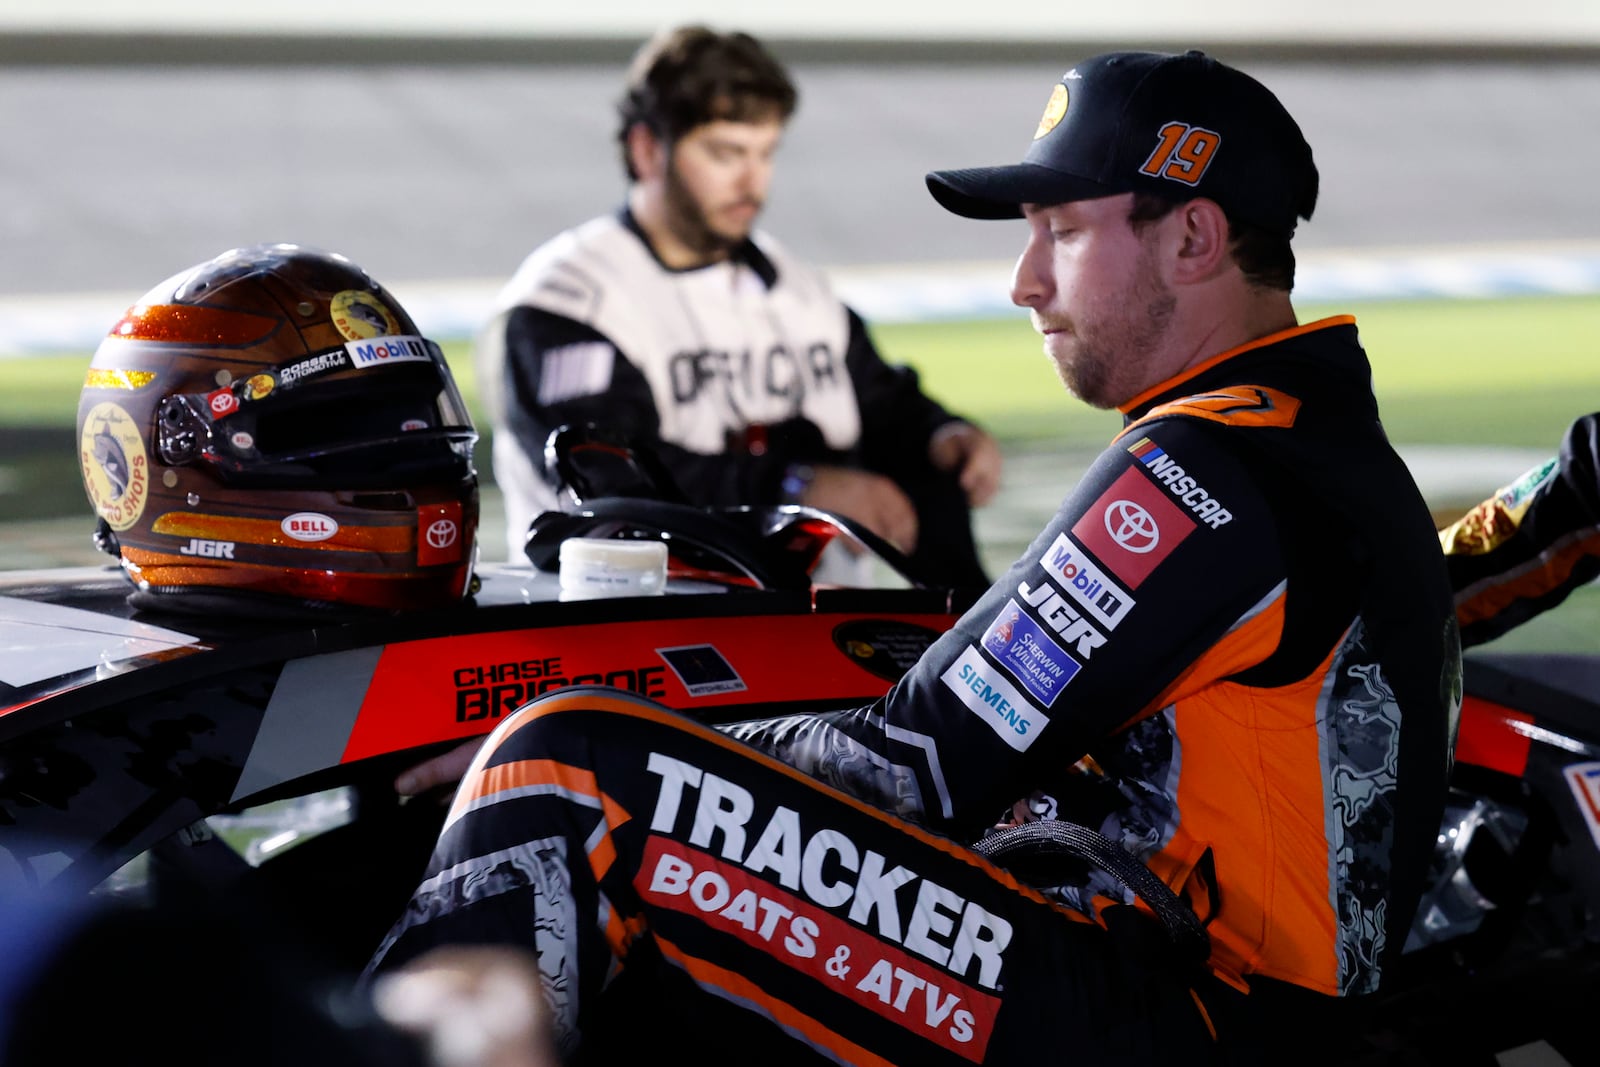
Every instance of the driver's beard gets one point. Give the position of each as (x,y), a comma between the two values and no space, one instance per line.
(689,224)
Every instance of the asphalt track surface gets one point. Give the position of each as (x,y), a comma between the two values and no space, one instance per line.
(115,177)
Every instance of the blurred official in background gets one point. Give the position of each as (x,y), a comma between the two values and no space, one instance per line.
(676,322)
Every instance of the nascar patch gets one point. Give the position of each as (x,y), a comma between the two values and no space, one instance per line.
(1190,493)
(1029,654)
(988,695)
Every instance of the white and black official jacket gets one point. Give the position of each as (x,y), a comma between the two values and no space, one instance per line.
(733,372)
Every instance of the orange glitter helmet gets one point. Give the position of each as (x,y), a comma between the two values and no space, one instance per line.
(270,428)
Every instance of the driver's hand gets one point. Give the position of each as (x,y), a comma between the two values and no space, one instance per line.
(471,1006)
(973,454)
(871,499)
(445,769)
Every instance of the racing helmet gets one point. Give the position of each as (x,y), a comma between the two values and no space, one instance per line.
(271,428)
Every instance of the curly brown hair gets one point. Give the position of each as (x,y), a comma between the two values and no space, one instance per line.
(690,75)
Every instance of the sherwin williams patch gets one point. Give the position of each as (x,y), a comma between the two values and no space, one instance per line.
(1029,654)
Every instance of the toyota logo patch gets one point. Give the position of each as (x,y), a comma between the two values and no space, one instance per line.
(1132,527)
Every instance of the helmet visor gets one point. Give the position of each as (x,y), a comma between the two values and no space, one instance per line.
(326,416)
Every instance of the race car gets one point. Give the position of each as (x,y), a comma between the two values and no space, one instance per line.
(244,754)
(193,740)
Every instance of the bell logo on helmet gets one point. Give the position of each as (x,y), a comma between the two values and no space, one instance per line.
(309,526)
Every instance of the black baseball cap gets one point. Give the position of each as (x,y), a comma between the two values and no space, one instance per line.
(1180,126)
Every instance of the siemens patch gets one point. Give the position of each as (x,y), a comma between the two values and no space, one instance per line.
(1029,654)
(1190,493)
(996,701)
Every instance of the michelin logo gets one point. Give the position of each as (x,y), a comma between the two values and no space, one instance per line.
(1104,600)
(996,701)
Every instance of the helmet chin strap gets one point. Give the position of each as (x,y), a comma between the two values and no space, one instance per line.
(105,538)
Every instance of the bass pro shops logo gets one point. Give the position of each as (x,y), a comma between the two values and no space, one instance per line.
(116,468)
(837,912)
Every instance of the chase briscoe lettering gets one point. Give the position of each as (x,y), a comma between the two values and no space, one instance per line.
(593,327)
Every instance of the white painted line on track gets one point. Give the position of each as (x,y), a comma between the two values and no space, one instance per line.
(33,324)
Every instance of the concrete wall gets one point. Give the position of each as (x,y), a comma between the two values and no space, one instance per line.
(1430,22)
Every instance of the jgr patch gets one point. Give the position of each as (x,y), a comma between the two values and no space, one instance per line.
(1132,527)
(116,468)
(208,549)
(985,692)
(1029,654)
(1058,615)
(1104,600)
(360,315)
(1202,504)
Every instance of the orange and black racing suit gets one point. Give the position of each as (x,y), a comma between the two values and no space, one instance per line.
(1523,550)
(1232,651)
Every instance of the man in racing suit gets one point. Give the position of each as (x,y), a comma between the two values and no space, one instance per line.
(713,346)
(1231,652)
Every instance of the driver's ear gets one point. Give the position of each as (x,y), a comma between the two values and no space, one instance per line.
(646,152)
(1201,238)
